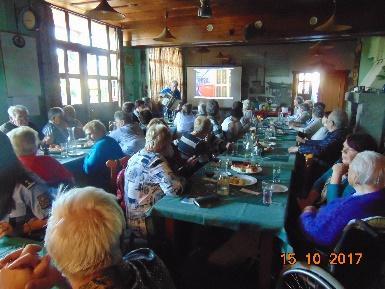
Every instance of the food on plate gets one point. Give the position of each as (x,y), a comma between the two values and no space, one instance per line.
(268,149)
(236,181)
(55,149)
(245,168)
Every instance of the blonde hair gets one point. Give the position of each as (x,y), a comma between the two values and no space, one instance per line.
(25,140)
(202,123)
(95,125)
(157,121)
(368,168)
(157,136)
(83,231)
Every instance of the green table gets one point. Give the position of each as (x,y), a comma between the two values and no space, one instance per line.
(10,244)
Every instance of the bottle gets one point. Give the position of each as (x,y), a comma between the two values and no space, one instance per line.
(223,185)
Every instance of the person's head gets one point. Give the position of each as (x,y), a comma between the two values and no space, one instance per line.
(83,232)
(157,121)
(212,108)
(56,115)
(69,112)
(202,126)
(318,110)
(309,102)
(174,85)
(121,118)
(325,118)
(147,102)
(145,116)
(337,119)
(247,105)
(236,113)
(128,107)
(139,105)
(237,105)
(367,170)
(304,107)
(202,108)
(95,129)
(18,115)
(356,143)
(298,100)
(25,140)
(187,108)
(158,138)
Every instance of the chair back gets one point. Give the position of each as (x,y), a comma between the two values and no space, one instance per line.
(115,166)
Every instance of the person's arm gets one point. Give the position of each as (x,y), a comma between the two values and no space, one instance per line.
(93,160)
(169,183)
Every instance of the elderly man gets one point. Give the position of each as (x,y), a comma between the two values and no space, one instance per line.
(212,109)
(327,150)
(83,240)
(72,121)
(314,124)
(18,116)
(302,116)
(104,149)
(148,177)
(55,131)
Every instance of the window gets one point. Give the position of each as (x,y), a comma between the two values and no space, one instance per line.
(308,84)
(223,82)
(88,59)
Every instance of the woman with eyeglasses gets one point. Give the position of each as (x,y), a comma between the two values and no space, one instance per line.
(333,183)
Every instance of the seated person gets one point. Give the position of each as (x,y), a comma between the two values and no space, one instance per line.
(297,101)
(18,116)
(248,113)
(139,106)
(212,109)
(25,198)
(302,116)
(55,131)
(128,108)
(232,125)
(25,142)
(327,150)
(145,116)
(104,149)
(83,240)
(333,183)
(314,124)
(201,109)
(128,134)
(71,121)
(148,177)
(184,119)
(367,176)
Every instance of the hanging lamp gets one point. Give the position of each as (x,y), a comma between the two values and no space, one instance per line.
(330,25)
(165,35)
(105,12)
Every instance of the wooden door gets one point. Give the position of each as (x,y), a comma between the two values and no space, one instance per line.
(333,85)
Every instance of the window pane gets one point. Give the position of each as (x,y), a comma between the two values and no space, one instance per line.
(99,35)
(307,88)
(63,91)
(60,59)
(91,64)
(75,91)
(114,68)
(300,88)
(301,76)
(115,90)
(308,76)
(73,62)
(93,90)
(104,97)
(113,39)
(59,20)
(103,66)
(79,30)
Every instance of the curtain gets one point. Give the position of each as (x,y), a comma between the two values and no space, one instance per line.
(165,65)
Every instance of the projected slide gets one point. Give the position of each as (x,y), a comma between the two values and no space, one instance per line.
(213,82)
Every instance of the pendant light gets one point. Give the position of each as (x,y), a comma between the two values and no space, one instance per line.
(105,12)
(165,35)
(330,25)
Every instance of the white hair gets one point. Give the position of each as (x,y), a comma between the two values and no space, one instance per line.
(25,140)
(83,231)
(368,167)
(247,105)
(14,109)
(202,108)
(157,136)
(339,117)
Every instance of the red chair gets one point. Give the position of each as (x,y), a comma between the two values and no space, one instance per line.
(117,168)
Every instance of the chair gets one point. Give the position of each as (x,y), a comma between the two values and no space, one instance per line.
(115,166)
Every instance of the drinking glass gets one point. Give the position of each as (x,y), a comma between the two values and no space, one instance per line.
(276,173)
(267,193)
(64,149)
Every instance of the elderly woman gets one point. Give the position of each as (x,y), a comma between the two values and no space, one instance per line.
(333,183)
(201,109)
(55,131)
(25,142)
(25,200)
(104,149)
(184,119)
(83,240)
(128,133)
(367,176)
(148,177)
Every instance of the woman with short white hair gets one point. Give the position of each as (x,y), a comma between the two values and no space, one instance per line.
(25,142)
(148,177)
(367,176)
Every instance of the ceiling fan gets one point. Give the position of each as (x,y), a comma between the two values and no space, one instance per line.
(331,25)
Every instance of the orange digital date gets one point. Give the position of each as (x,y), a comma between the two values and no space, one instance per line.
(316,258)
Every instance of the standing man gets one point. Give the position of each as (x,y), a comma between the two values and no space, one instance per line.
(170,95)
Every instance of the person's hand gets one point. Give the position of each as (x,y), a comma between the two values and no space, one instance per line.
(309,209)
(292,150)
(33,224)
(48,140)
(5,229)
(191,161)
(300,139)
(339,170)
(229,146)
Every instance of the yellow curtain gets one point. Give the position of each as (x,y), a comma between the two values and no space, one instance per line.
(165,66)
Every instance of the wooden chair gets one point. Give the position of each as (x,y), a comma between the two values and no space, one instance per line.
(115,166)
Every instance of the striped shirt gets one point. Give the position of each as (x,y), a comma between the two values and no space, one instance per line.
(216,127)
(190,145)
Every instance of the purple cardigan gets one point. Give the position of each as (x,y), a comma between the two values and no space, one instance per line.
(324,227)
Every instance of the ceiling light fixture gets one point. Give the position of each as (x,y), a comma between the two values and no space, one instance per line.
(105,12)
(204,11)
(330,25)
(165,35)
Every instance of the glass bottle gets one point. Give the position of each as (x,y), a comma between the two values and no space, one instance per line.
(223,185)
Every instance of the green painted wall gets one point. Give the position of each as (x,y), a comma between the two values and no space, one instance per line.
(134,74)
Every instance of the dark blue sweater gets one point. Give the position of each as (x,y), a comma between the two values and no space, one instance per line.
(324,227)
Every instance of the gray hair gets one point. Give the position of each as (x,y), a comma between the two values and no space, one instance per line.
(318,109)
(83,231)
(202,123)
(299,99)
(368,168)
(54,112)
(212,107)
(339,118)
(124,116)
(95,126)
(157,136)
(202,108)
(25,140)
(14,109)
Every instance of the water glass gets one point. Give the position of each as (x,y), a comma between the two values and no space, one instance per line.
(276,173)
(64,149)
(267,193)
(223,188)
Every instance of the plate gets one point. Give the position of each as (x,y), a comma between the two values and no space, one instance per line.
(78,154)
(239,170)
(272,143)
(277,188)
(245,180)
(272,138)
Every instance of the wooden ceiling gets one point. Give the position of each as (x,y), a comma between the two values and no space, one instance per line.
(283,20)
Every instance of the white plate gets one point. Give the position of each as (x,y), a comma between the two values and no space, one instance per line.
(272,143)
(238,170)
(272,138)
(249,180)
(78,154)
(277,188)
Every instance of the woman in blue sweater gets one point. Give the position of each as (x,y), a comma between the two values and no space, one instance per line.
(334,183)
(367,176)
